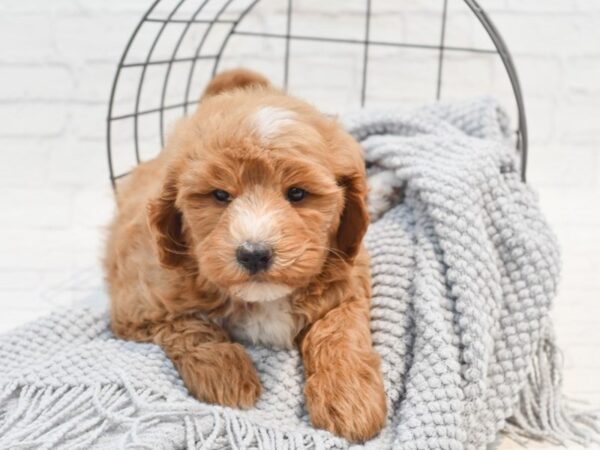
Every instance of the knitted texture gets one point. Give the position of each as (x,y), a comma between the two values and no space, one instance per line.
(464,270)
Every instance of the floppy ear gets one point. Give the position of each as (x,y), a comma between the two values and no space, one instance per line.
(235,79)
(165,223)
(355,218)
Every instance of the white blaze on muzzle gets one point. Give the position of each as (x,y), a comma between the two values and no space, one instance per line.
(252,220)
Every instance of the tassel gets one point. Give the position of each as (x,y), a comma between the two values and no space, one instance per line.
(46,417)
(543,413)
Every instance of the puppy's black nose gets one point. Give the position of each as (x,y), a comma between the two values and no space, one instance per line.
(254,257)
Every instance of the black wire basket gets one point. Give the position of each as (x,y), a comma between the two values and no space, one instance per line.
(338,60)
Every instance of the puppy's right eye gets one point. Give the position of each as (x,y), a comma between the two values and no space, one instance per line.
(221,196)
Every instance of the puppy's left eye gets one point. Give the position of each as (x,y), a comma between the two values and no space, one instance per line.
(295,195)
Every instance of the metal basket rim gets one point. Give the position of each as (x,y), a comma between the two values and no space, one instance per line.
(499,44)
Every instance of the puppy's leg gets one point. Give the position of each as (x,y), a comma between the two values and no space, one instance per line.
(213,369)
(344,387)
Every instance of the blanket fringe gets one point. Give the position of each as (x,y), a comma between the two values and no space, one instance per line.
(543,413)
(75,417)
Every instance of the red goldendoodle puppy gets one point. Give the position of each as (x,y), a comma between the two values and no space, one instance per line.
(248,227)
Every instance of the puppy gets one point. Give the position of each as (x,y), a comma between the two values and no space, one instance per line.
(248,227)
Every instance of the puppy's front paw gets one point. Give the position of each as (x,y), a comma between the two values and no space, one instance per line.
(220,373)
(347,398)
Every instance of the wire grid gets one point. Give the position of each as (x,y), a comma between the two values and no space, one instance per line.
(229,14)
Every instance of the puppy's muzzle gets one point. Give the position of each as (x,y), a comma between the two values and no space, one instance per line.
(254,257)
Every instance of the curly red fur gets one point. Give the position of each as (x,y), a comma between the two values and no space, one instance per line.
(173,276)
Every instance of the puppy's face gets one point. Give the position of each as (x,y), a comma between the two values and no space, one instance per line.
(264,191)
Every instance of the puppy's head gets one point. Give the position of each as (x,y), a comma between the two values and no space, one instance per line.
(260,191)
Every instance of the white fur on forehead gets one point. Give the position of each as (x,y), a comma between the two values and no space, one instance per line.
(269,120)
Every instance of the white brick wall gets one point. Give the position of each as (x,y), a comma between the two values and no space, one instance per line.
(57,59)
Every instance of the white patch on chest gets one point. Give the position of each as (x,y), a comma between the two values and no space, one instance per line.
(268,323)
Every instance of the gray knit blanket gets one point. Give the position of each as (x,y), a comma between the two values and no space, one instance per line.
(464,272)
